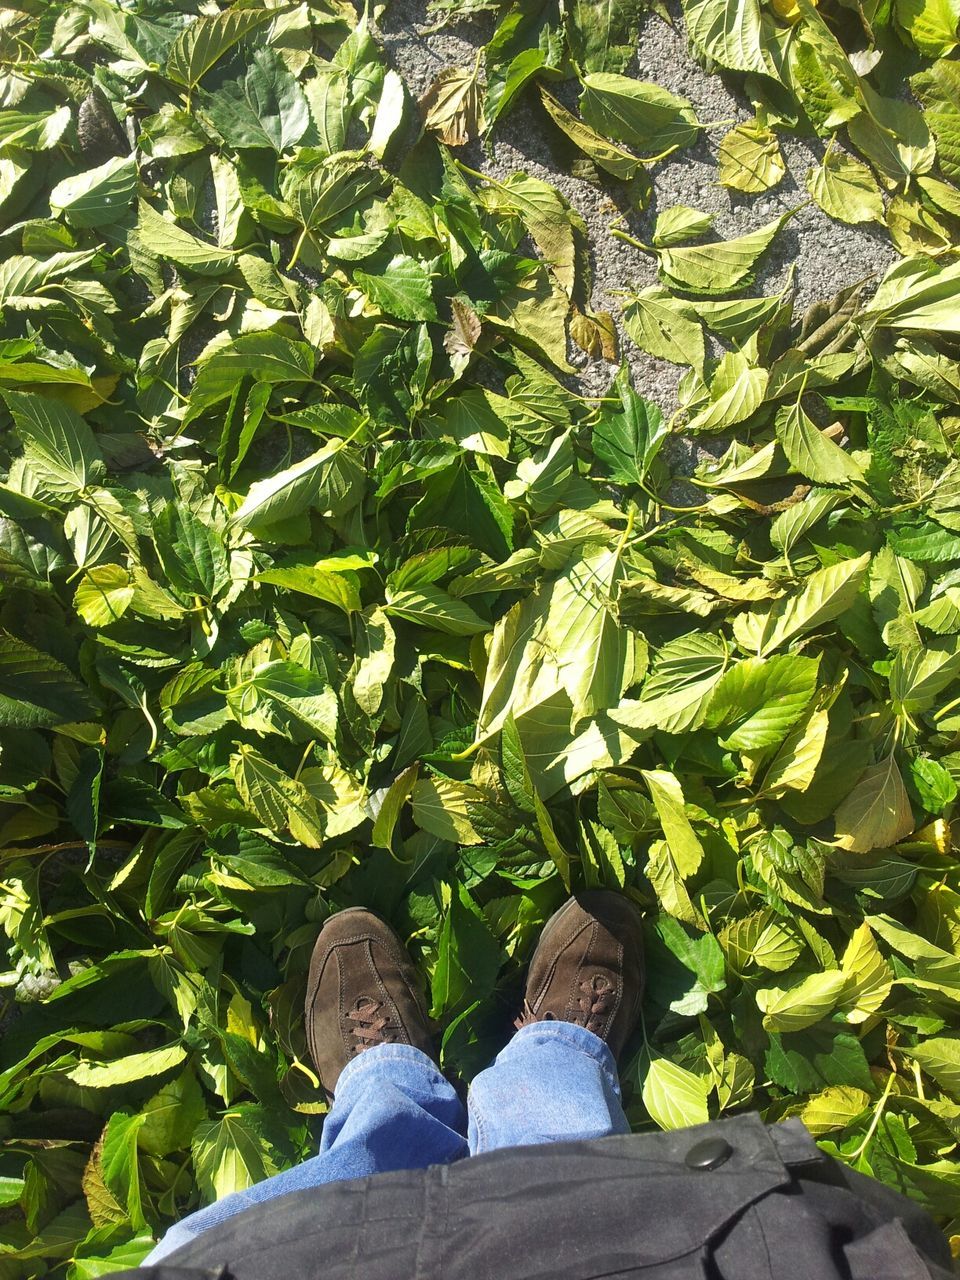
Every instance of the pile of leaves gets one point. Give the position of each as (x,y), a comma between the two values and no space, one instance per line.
(321,586)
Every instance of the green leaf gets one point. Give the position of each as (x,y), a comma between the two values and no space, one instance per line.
(869,977)
(34,131)
(802,1005)
(390,115)
(266,109)
(202,44)
(546,216)
(734,33)
(329,480)
(98,196)
(135,1066)
(916,294)
(120,1164)
(679,225)
(835,1107)
(824,596)
(230,1153)
(339,589)
(763,939)
(736,392)
(278,801)
(937,88)
(795,765)
(674,1097)
(702,955)
(60,447)
(474,423)
(104,594)
(322,196)
(666,327)
(682,840)
(162,236)
(601,36)
(876,813)
(403,290)
(645,116)
(609,157)
(36,691)
(440,807)
(677,694)
(391,805)
(892,134)
(93,1265)
(629,441)
(468,957)
(591,653)
(432,607)
(812,452)
(919,675)
(11,1190)
(264,357)
(939,1057)
(719,267)
(283,697)
(763,698)
(171,1116)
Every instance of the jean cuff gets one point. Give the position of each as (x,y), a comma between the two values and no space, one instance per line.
(579,1037)
(379,1056)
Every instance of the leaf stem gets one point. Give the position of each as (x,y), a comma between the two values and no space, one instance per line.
(303,759)
(629,239)
(875,1121)
(296,252)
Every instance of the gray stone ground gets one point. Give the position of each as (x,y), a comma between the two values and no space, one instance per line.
(828,255)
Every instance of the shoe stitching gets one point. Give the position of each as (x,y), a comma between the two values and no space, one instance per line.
(620,986)
(388,1000)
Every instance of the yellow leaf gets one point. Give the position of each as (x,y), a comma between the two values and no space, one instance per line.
(834,1108)
(453,106)
(869,977)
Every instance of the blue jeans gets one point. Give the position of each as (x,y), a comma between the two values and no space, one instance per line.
(554,1082)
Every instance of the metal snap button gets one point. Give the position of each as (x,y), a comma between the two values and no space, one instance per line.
(709,1154)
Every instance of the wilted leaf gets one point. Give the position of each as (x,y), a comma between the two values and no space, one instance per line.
(453,106)
(845,188)
(649,119)
(612,159)
(750,158)
(719,267)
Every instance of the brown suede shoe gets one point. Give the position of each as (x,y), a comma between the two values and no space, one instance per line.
(588,968)
(362,991)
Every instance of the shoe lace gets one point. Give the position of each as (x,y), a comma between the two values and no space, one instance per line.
(370,1026)
(594,997)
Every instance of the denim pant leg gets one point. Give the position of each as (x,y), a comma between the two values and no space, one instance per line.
(554,1082)
(392,1110)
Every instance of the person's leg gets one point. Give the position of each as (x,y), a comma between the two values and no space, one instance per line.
(556,1081)
(392,1110)
(370,1040)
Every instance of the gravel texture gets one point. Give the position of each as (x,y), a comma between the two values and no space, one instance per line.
(827,255)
